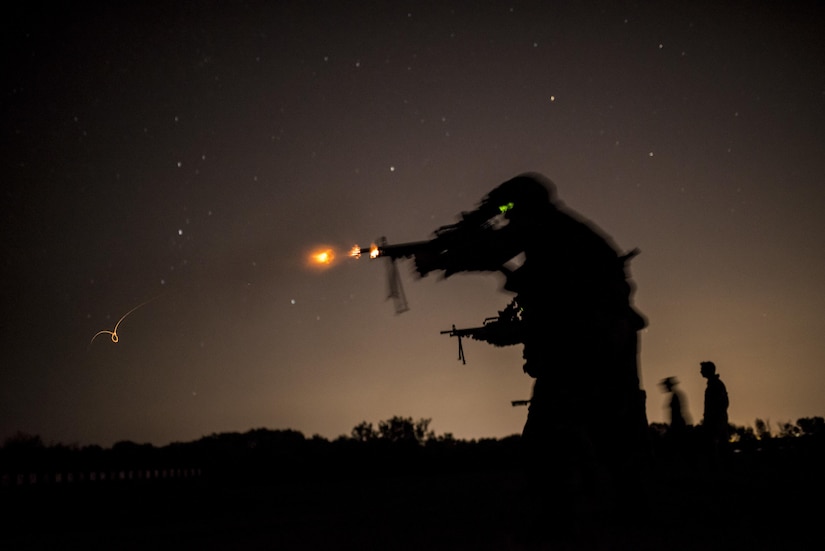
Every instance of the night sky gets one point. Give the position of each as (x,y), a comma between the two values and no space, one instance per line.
(188,157)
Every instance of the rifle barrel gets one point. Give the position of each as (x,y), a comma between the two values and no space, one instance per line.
(401,250)
(461,332)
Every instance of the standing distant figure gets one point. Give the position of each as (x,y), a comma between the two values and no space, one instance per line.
(677,406)
(675,443)
(715,418)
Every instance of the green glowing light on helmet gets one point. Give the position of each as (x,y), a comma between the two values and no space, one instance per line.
(506,207)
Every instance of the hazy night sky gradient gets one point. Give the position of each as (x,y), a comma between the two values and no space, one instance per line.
(194,153)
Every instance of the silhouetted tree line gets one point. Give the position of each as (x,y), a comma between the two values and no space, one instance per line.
(395,447)
(806,431)
(790,445)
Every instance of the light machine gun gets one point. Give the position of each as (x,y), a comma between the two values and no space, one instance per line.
(472,244)
(391,253)
(502,330)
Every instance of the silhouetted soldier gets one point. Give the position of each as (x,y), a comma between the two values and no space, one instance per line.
(586,421)
(675,442)
(676,406)
(715,427)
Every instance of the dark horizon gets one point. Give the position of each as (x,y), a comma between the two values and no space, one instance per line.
(761,429)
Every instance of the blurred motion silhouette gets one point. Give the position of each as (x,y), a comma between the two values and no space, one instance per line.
(677,407)
(676,445)
(585,433)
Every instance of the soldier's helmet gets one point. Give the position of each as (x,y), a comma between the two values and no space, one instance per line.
(523,194)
